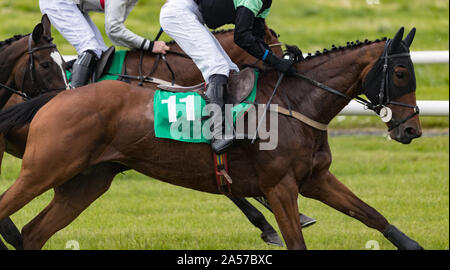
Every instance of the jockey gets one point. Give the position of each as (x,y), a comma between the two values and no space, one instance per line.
(71,19)
(184,21)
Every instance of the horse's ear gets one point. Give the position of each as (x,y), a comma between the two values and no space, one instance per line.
(47,25)
(37,33)
(410,37)
(397,39)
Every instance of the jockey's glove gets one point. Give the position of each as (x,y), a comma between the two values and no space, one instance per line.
(283,65)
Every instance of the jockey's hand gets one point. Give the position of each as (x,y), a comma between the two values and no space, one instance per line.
(160,47)
(283,65)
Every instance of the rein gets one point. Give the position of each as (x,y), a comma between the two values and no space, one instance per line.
(23,95)
(147,78)
(381,109)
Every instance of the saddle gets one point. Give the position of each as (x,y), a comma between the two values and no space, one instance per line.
(240,85)
(103,65)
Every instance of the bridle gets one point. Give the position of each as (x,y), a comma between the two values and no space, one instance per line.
(384,94)
(32,69)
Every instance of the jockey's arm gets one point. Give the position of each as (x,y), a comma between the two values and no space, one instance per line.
(247,32)
(247,36)
(116,12)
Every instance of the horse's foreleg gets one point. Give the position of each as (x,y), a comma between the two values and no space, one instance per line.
(11,234)
(283,199)
(329,190)
(269,235)
(304,219)
(70,199)
(20,193)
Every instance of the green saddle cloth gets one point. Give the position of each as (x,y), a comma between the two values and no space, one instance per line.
(116,67)
(180,116)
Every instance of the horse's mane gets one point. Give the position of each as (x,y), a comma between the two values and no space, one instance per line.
(350,45)
(11,40)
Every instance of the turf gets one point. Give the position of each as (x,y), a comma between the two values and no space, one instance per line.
(408,184)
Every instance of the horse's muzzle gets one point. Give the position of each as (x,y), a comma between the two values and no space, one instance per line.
(406,132)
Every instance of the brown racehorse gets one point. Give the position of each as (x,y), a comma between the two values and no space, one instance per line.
(32,64)
(16,139)
(81,139)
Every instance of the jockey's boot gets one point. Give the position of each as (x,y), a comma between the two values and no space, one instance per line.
(214,94)
(83,69)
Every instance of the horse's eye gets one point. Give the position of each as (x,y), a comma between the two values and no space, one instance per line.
(400,75)
(45,65)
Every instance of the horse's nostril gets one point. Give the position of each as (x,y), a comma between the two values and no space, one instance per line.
(412,132)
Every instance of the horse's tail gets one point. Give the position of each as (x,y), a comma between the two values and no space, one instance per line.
(22,113)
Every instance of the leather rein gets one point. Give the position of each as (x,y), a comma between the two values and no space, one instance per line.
(381,109)
(149,79)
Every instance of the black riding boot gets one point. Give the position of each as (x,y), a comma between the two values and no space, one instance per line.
(83,69)
(214,94)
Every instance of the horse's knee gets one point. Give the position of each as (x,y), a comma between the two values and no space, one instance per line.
(309,189)
(313,186)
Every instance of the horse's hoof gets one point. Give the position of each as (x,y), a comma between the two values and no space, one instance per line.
(306,221)
(400,240)
(272,238)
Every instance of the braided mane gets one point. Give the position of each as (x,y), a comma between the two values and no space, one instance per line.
(350,45)
(11,40)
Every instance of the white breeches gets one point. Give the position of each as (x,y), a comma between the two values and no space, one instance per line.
(182,21)
(77,28)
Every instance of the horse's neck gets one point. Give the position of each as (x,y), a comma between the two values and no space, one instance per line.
(8,59)
(343,70)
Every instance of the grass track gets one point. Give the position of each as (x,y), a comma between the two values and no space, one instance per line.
(409,185)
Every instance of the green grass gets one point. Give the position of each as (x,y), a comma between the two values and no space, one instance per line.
(408,184)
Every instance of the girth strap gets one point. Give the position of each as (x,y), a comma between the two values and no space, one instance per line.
(302,118)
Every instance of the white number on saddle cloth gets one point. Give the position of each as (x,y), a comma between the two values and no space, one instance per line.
(172,107)
(190,110)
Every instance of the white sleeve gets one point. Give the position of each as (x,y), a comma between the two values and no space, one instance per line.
(116,12)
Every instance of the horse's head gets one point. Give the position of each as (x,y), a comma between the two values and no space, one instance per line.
(391,86)
(42,68)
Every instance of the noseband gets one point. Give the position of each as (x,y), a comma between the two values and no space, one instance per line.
(384,98)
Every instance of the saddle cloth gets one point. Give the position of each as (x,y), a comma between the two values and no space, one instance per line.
(179,111)
(111,63)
